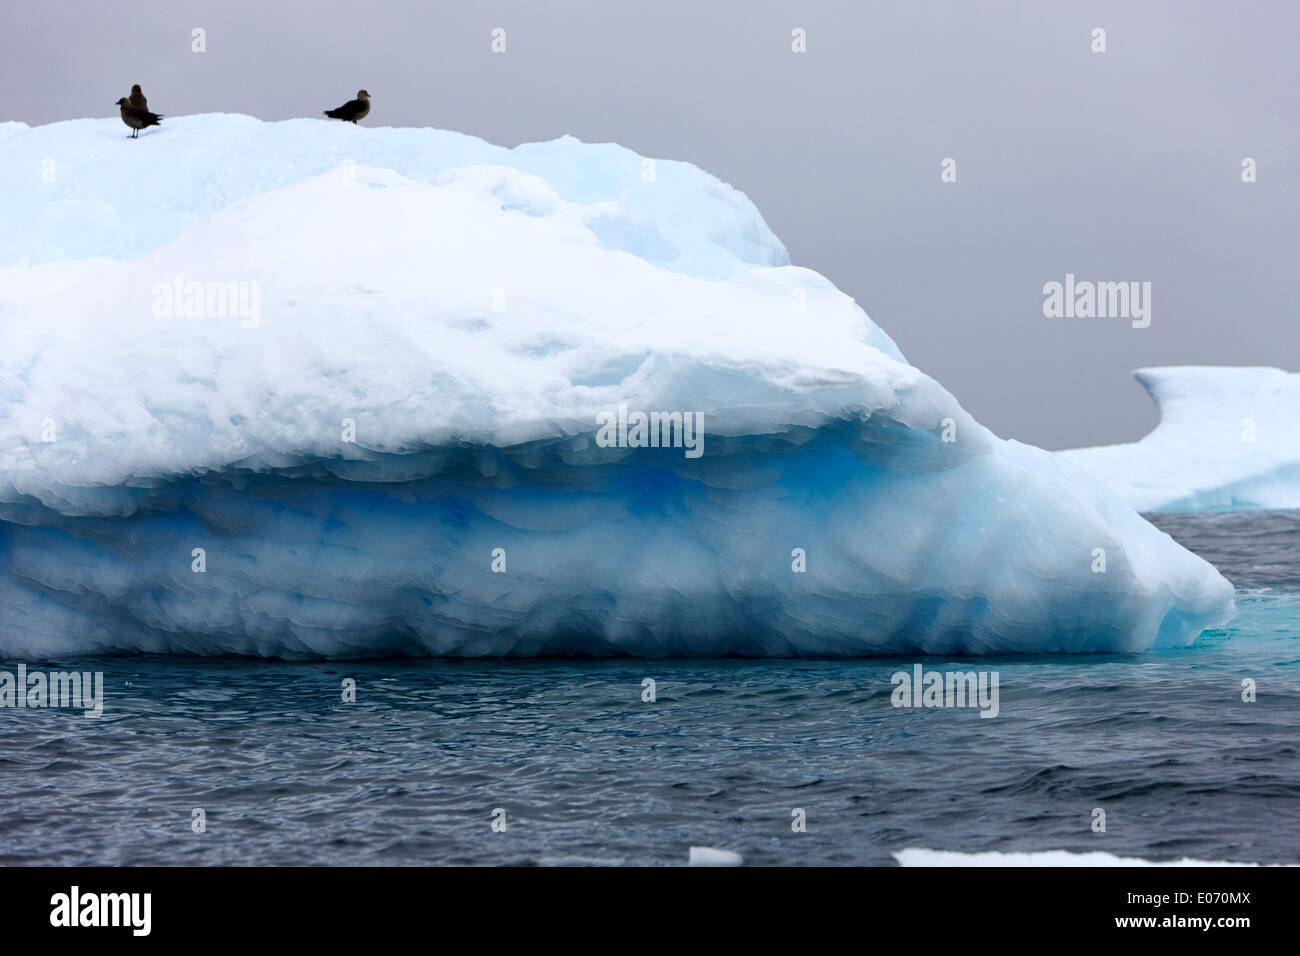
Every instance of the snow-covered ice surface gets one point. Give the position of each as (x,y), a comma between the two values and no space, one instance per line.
(75,192)
(920,857)
(472,311)
(1228,440)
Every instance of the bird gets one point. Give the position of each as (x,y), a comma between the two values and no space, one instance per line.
(352,110)
(137,98)
(136,119)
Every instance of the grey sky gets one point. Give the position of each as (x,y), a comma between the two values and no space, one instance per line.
(1117,166)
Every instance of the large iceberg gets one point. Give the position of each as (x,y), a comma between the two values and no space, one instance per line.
(305,390)
(1227,441)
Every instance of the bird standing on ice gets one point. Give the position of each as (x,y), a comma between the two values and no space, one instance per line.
(352,110)
(135,118)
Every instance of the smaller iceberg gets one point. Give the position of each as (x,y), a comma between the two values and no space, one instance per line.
(1227,441)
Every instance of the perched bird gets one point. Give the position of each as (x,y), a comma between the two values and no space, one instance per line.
(137,99)
(352,110)
(136,119)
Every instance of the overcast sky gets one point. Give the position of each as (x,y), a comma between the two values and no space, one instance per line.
(1115,166)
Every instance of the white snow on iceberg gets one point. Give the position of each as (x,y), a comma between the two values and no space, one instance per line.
(75,191)
(391,447)
(1227,441)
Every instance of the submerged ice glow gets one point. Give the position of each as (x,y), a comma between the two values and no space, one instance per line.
(438,333)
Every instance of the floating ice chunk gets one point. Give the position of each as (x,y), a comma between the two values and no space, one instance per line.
(711,856)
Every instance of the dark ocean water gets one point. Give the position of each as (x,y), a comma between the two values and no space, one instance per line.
(587,772)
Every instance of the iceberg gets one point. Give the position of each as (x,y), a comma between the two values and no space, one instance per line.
(311,391)
(1227,441)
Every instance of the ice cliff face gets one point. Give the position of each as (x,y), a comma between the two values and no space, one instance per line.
(1228,440)
(256,399)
